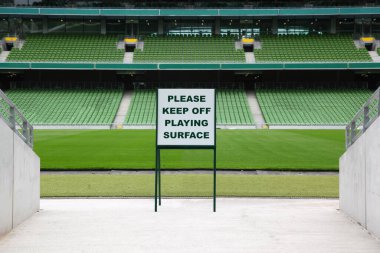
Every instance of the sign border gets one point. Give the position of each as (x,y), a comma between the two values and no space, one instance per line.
(157,184)
(185,146)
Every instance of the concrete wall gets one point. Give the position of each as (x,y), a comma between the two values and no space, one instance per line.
(19,180)
(359,180)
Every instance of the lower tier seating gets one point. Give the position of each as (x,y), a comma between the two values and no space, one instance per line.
(61,107)
(232,108)
(310,106)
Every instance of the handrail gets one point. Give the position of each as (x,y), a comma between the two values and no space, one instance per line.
(15,119)
(363,119)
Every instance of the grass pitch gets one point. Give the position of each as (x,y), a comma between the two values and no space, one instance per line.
(188,185)
(236,149)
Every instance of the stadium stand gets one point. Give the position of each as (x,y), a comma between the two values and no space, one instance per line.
(232,108)
(310,48)
(187,49)
(68,48)
(310,106)
(69,106)
(142,110)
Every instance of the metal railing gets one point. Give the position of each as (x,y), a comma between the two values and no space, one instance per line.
(369,112)
(15,120)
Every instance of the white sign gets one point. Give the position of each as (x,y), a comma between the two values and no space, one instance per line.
(186,117)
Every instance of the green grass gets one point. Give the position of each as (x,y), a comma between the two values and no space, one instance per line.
(188,185)
(236,149)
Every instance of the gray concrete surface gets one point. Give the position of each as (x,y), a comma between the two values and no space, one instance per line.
(19,180)
(352,182)
(6,173)
(372,168)
(26,182)
(359,179)
(189,225)
(255,109)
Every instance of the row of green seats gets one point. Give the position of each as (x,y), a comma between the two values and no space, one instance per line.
(231,107)
(189,50)
(310,106)
(313,48)
(67,107)
(68,48)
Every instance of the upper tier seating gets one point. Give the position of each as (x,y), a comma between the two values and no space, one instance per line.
(310,106)
(310,48)
(231,107)
(61,107)
(68,48)
(183,49)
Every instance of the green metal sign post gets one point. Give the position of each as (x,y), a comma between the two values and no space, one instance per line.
(201,120)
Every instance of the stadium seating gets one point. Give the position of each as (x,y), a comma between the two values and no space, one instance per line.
(188,49)
(68,48)
(310,48)
(310,106)
(232,108)
(60,107)
(142,110)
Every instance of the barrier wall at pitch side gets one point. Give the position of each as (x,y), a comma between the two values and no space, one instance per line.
(19,180)
(359,180)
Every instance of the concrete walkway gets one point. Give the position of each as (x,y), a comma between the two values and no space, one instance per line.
(255,109)
(189,225)
(123,108)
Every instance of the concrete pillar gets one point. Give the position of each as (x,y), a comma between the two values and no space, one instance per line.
(217,26)
(160,26)
(333,25)
(44,25)
(274,25)
(103,27)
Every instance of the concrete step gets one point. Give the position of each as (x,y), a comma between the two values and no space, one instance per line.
(374,55)
(123,109)
(128,57)
(4,56)
(255,109)
(250,57)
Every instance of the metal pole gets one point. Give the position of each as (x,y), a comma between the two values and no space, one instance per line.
(353,130)
(155,182)
(159,176)
(215,179)
(366,118)
(12,117)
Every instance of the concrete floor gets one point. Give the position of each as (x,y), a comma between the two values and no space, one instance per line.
(189,225)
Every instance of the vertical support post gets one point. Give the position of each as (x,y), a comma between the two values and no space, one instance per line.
(31,135)
(214,198)
(348,142)
(366,118)
(353,129)
(159,176)
(155,182)
(25,132)
(12,117)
